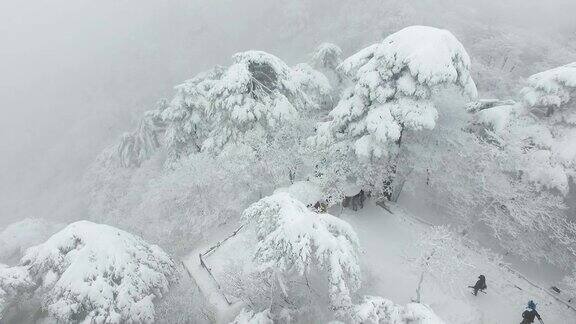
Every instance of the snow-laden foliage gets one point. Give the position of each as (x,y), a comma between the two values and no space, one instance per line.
(393,88)
(326,59)
(256,94)
(294,240)
(98,273)
(552,88)
(314,85)
(438,248)
(540,130)
(378,310)
(199,193)
(327,56)
(187,122)
(139,145)
(435,166)
(14,282)
(19,236)
(249,317)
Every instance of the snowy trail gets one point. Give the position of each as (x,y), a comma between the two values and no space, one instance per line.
(224,310)
(385,240)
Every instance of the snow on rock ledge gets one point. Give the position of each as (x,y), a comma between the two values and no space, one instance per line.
(99,273)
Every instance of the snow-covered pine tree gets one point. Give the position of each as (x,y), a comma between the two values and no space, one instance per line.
(326,59)
(138,146)
(293,240)
(315,86)
(187,122)
(15,282)
(255,95)
(537,163)
(375,309)
(98,273)
(392,93)
(550,96)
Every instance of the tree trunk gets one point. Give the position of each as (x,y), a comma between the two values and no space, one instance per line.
(419,289)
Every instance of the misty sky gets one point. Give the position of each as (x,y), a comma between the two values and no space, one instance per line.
(74,74)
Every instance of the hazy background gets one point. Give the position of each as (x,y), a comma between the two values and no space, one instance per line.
(75,74)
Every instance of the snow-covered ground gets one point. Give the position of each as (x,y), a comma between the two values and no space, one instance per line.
(387,247)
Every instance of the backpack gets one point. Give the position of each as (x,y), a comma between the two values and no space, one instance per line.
(529,315)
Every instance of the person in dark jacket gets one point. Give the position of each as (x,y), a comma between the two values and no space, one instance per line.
(530,313)
(480,285)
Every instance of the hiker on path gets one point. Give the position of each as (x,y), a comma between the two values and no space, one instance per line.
(530,313)
(480,285)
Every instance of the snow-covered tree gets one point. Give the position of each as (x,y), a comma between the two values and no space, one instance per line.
(249,317)
(539,130)
(437,164)
(440,254)
(14,283)
(375,310)
(139,145)
(548,140)
(314,85)
(187,122)
(18,236)
(256,94)
(94,272)
(326,59)
(293,240)
(392,92)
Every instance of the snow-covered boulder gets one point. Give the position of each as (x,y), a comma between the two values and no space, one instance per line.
(293,239)
(99,273)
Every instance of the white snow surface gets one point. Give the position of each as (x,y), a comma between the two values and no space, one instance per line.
(387,247)
(306,192)
(99,273)
(432,55)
